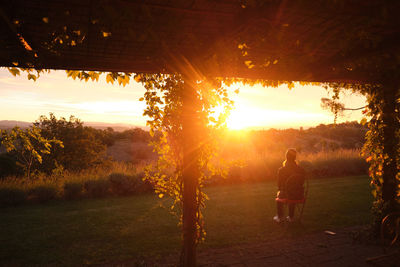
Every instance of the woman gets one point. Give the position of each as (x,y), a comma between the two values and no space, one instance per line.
(290,186)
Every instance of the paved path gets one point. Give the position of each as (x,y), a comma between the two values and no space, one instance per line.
(318,249)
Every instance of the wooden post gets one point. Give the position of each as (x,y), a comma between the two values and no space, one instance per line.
(390,146)
(190,173)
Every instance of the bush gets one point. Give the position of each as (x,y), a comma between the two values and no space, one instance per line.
(9,167)
(142,186)
(73,190)
(97,188)
(43,193)
(122,184)
(11,196)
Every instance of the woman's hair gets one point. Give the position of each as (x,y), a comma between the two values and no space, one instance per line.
(290,156)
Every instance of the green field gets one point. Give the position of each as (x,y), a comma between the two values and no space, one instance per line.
(117,230)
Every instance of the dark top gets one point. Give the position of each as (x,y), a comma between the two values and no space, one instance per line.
(286,172)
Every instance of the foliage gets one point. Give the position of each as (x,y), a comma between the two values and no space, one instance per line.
(12,196)
(383,152)
(165,95)
(348,135)
(134,135)
(333,105)
(8,166)
(31,73)
(73,190)
(381,148)
(29,146)
(97,187)
(84,147)
(43,193)
(122,184)
(71,185)
(106,136)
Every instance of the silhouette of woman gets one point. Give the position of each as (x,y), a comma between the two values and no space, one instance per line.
(288,175)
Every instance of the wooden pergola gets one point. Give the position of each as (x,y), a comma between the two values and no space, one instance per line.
(275,40)
(299,40)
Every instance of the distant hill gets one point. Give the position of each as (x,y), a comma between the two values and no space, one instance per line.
(4,125)
(119,127)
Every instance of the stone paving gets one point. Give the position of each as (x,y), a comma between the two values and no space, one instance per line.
(318,249)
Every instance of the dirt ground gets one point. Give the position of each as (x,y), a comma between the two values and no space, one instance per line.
(338,248)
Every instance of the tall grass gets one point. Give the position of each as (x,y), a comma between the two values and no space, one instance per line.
(337,163)
(262,167)
(123,178)
(101,181)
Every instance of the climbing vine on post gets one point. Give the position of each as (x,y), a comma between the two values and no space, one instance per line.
(186,126)
(381,147)
(382,150)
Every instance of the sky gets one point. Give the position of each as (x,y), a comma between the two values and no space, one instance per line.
(255,106)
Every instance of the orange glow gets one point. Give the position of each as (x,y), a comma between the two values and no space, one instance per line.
(255,107)
(263,111)
(242,118)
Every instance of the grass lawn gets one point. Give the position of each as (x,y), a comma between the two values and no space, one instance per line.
(119,229)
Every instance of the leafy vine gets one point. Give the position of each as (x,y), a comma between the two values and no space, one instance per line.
(164,98)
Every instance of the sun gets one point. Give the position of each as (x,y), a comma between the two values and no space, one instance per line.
(242,118)
(245,116)
(257,109)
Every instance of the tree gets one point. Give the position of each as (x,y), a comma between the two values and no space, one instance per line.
(135,135)
(28,146)
(107,136)
(83,146)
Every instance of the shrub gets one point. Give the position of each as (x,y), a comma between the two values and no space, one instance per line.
(122,184)
(97,188)
(12,196)
(73,190)
(307,165)
(142,186)
(8,166)
(43,193)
